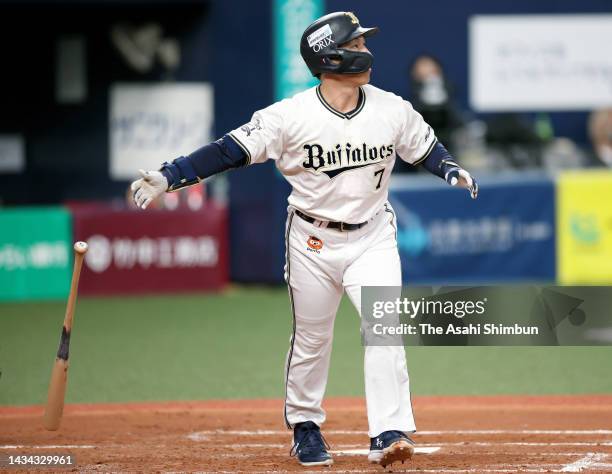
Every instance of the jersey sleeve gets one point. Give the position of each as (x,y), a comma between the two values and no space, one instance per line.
(262,138)
(416,138)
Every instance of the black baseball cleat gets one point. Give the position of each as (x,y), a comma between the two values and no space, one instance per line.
(309,445)
(390,446)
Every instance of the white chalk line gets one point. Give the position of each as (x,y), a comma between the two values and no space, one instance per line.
(587,462)
(591,460)
(344,450)
(237,455)
(422,448)
(419,433)
(602,465)
(521,443)
(365,452)
(489,432)
(48,446)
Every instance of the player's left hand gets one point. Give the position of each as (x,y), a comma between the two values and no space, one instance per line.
(463,179)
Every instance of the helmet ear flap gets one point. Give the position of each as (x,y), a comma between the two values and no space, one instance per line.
(342,61)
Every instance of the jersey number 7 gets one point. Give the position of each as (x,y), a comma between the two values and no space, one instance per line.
(380,172)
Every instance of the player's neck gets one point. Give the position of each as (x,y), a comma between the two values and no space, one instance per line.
(340,95)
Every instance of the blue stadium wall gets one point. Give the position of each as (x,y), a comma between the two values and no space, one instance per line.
(230,44)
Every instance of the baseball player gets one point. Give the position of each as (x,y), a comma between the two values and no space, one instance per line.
(336,144)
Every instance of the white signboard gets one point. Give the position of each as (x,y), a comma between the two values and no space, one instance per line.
(540,62)
(12,154)
(150,124)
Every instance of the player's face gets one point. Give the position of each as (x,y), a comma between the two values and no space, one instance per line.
(358,44)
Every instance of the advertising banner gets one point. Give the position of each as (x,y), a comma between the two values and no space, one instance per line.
(540,62)
(151,122)
(505,235)
(35,253)
(153,251)
(584,206)
(291,17)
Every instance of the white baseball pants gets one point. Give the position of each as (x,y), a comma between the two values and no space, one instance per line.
(317,272)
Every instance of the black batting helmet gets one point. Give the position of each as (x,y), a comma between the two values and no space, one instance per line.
(321,43)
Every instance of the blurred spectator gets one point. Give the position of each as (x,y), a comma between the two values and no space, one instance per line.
(562,154)
(432,98)
(600,131)
(515,140)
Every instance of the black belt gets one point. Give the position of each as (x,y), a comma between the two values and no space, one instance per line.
(341,226)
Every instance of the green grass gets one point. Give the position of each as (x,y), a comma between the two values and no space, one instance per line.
(233,345)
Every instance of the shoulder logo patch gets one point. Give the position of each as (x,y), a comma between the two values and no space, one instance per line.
(255,124)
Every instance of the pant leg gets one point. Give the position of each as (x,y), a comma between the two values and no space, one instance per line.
(315,294)
(387,385)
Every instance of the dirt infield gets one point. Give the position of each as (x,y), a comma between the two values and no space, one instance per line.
(456,434)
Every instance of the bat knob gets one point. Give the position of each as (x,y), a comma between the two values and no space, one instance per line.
(80,247)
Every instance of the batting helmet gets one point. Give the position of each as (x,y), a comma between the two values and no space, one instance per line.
(321,42)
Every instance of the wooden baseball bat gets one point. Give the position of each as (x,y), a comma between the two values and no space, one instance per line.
(59,373)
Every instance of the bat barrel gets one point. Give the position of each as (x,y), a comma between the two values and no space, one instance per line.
(57,392)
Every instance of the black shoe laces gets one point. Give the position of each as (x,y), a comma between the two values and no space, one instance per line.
(402,435)
(310,438)
(399,434)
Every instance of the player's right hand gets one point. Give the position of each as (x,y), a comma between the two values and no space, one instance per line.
(151,185)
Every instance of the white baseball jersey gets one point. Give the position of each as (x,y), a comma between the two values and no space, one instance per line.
(338,164)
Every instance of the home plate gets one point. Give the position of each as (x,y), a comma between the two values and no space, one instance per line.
(365,452)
